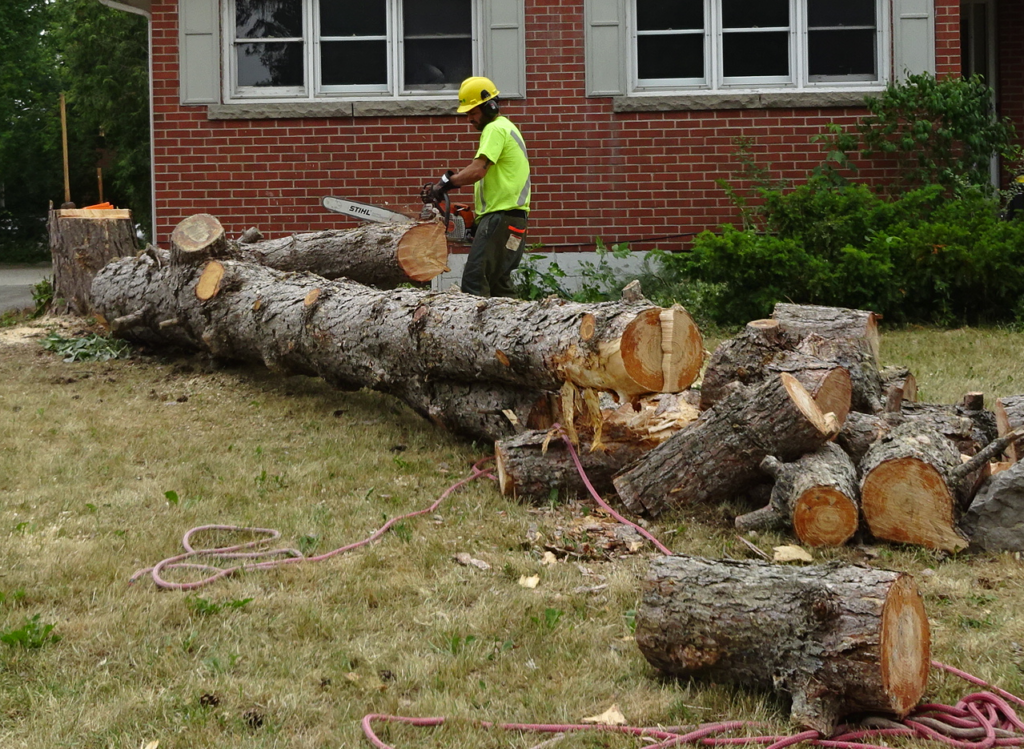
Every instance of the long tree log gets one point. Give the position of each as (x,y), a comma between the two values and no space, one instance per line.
(720,453)
(815,495)
(397,341)
(381,255)
(838,639)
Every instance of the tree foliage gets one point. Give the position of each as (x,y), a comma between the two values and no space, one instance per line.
(98,57)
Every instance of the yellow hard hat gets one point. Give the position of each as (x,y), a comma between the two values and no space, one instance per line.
(475,91)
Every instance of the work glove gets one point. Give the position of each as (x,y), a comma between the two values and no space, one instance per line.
(435,193)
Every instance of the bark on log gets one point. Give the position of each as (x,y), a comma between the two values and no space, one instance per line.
(533,464)
(815,495)
(381,255)
(1009,416)
(914,487)
(742,359)
(81,242)
(838,639)
(898,385)
(720,453)
(860,431)
(995,520)
(969,429)
(762,351)
(830,322)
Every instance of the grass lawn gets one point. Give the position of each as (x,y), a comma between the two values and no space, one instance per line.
(105,465)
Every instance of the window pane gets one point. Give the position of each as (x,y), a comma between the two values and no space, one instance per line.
(433,63)
(661,15)
(354,63)
(749,14)
(755,54)
(338,18)
(437,18)
(270,64)
(841,52)
(845,13)
(675,56)
(267,19)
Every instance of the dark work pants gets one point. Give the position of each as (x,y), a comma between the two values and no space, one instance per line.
(488,270)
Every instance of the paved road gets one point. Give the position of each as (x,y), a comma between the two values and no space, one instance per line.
(16,282)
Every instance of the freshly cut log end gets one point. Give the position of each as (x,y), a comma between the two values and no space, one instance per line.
(209,281)
(905,646)
(907,500)
(423,252)
(662,350)
(825,423)
(824,516)
(833,393)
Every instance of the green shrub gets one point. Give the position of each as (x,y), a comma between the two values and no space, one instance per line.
(921,258)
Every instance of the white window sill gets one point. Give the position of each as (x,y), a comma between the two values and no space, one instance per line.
(279,110)
(740,100)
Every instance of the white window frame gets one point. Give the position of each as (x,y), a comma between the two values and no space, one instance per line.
(312,90)
(798,78)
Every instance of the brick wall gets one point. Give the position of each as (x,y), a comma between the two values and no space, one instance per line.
(596,173)
(1010,40)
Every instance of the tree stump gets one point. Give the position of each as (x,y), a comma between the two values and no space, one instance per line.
(1009,416)
(82,241)
(838,639)
(720,453)
(815,495)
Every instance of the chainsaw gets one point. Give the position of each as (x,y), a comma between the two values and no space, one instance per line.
(456,217)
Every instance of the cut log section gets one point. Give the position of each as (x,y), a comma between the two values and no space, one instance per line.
(816,496)
(838,639)
(381,255)
(915,485)
(720,453)
(969,428)
(742,359)
(1009,416)
(860,431)
(81,242)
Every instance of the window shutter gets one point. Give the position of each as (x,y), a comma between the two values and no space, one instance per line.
(913,37)
(199,41)
(505,46)
(605,47)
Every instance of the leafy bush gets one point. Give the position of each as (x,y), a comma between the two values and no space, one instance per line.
(922,258)
(942,132)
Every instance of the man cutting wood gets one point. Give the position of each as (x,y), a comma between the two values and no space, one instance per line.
(500,175)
